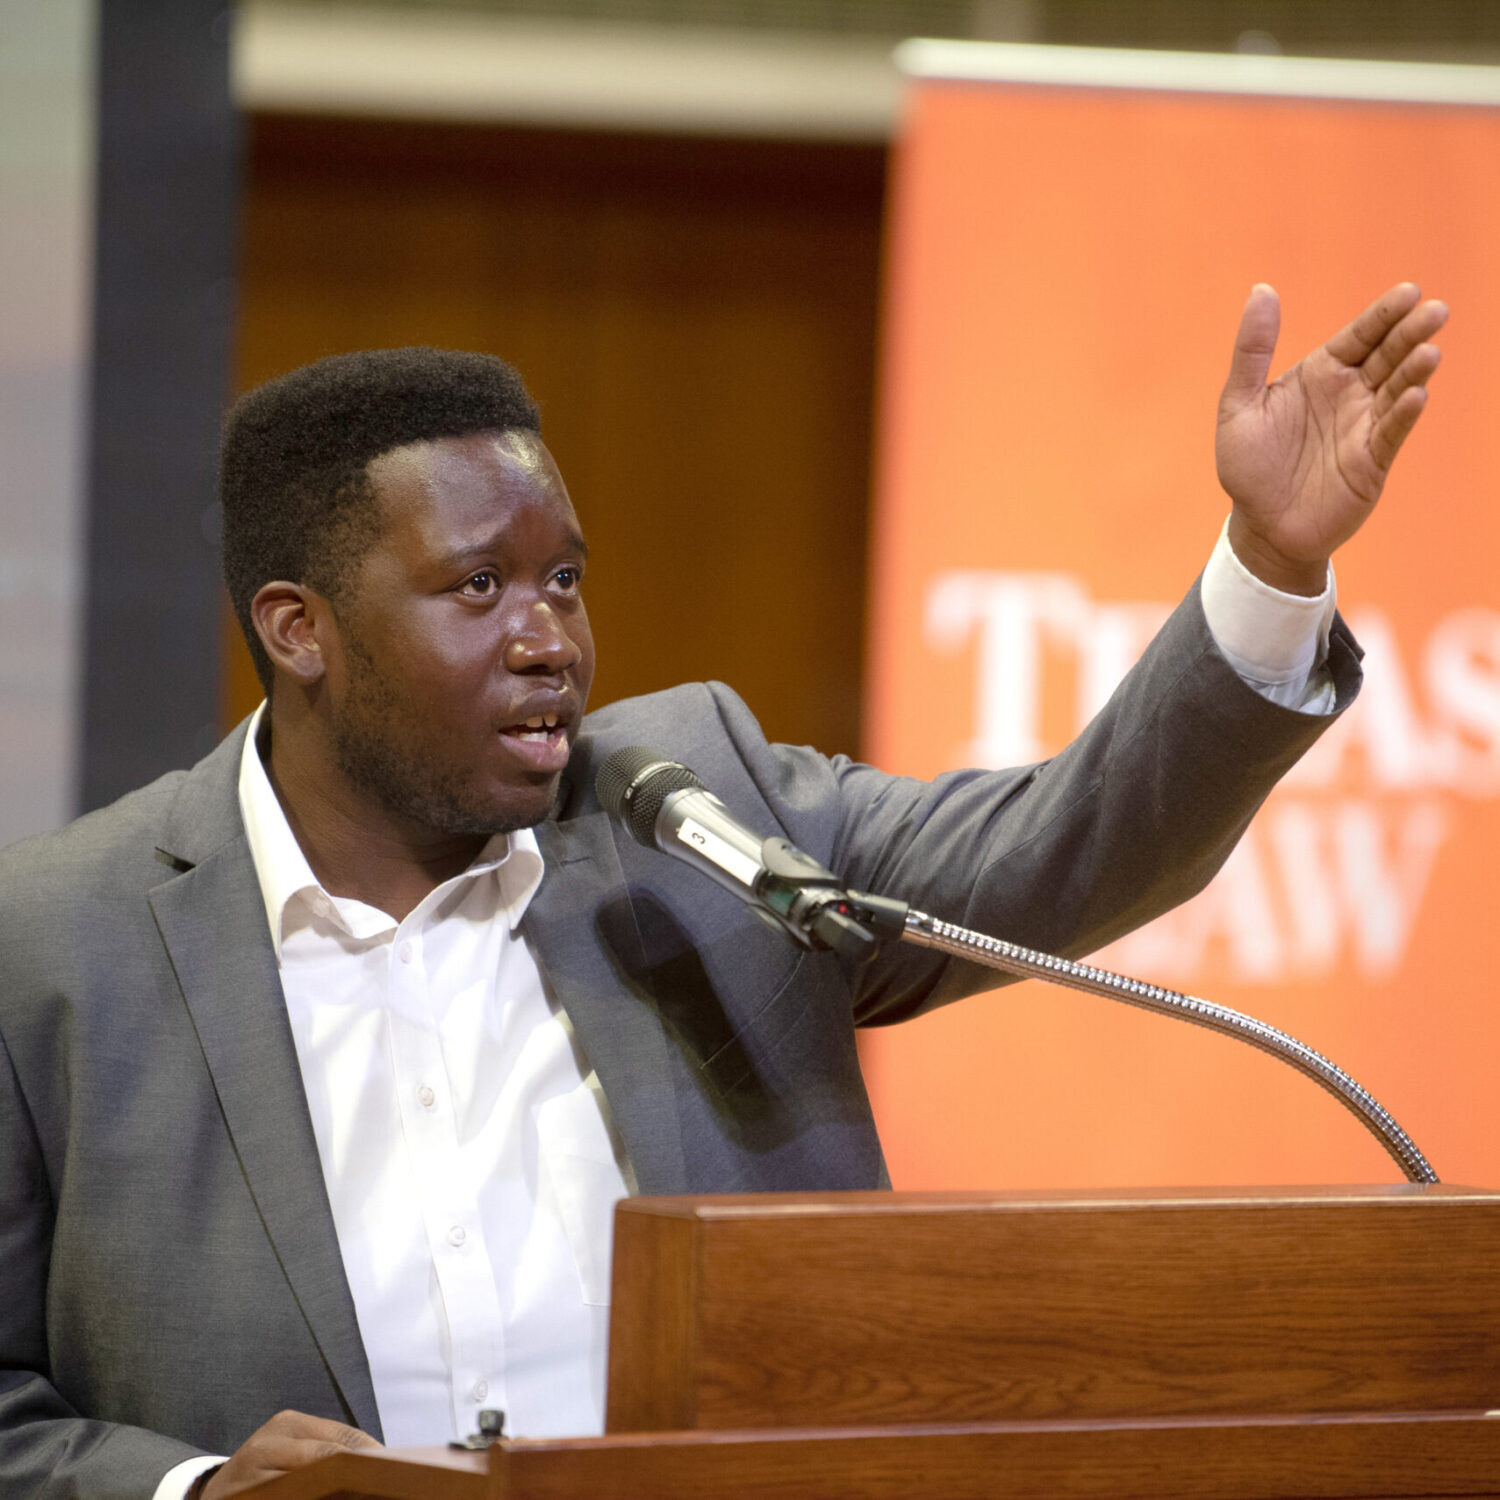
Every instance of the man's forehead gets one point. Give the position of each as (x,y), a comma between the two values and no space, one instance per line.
(427,459)
(464,487)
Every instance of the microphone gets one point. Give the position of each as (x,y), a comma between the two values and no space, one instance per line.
(664,806)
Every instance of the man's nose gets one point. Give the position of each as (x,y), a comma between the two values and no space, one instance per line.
(541,642)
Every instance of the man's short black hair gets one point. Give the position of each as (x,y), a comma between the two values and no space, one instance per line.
(297,501)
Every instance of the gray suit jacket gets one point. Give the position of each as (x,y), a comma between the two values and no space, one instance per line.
(169,1274)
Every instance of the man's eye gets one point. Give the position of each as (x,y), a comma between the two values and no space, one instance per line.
(481,583)
(568,578)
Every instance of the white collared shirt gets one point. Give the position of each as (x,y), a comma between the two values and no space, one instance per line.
(1276,642)
(471,1165)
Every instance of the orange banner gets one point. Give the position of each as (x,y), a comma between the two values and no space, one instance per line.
(1067,268)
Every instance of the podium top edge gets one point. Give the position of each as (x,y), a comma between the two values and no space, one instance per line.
(860,1204)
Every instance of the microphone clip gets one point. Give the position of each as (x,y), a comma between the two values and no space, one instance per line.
(803,899)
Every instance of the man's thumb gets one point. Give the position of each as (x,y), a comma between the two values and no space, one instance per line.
(1254,345)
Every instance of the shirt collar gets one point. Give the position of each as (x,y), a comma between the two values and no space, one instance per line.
(282,869)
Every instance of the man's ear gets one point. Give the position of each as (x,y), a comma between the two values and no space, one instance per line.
(295,625)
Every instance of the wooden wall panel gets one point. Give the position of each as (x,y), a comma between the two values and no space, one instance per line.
(696,318)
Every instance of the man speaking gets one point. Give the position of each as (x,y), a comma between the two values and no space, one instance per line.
(323,1064)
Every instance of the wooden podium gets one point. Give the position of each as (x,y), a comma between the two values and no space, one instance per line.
(1247,1345)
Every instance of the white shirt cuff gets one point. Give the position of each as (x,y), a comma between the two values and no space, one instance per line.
(1277,642)
(174,1483)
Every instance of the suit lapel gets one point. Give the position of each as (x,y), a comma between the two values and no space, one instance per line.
(579,913)
(212,920)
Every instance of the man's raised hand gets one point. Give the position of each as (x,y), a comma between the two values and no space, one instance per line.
(1304,459)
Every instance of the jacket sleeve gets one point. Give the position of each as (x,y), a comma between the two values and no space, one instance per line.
(1132,818)
(47,1450)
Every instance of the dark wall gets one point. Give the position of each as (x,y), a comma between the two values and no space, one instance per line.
(697,319)
(163,307)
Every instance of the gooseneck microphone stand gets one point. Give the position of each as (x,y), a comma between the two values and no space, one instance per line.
(930,932)
(881,919)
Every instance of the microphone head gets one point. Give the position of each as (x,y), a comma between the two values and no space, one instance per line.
(633,783)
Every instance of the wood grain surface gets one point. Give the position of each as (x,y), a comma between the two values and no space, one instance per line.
(399,1474)
(1349,1457)
(1353,1457)
(867,1309)
(1341,1344)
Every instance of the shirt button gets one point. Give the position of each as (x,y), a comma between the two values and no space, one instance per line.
(456,1235)
(404,952)
(426,1097)
(481,1390)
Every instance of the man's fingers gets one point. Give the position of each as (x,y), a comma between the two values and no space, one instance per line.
(277,1452)
(290,1440)
(281,1453)
(301,1424)
(1254,345)
(1416,369)
(1419,325)
(1388,434)
(1352,345)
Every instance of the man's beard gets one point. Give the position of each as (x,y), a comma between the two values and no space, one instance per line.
(402,778)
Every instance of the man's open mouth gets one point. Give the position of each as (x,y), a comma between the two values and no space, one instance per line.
(540,742)
(541,728)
